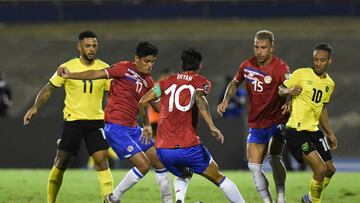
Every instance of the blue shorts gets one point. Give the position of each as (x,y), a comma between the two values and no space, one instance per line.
(263,135)
(196,158)
(124,140)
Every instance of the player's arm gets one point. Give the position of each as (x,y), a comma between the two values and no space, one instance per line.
(145,100)
(203,107)
(42,96)
(86,75)
(229,93)
(325,124)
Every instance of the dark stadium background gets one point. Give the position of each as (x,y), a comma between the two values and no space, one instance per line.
(37,36)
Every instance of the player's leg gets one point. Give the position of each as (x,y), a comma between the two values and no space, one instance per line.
(318,167)
(256,148)
(319,141)
(230,190)
(279,171)
(161,175)
(174,161)
(98,149)
(199,160)
(67,146)
(55,178)
(121,141)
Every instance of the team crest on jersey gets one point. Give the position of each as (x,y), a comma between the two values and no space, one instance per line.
(130,148)
(267,79)
(305,147)
(327,89)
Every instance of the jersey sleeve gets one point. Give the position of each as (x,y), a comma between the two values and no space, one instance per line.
(203,85)
(56,80)
(117,70)
(107,84)
(293,80)
(284,72)
(240,72)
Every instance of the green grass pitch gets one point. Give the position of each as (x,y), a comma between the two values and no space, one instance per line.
(80,186)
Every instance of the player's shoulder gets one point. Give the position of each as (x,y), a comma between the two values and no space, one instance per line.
(71,62)
(248,62)
(303,70)
(330,80)
(102,63)
(280,62)
(122,64)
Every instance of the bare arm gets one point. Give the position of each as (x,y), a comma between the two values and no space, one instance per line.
(41,98)
(203,107)
(229,93)
(325,124)
(86,75)
(143,104)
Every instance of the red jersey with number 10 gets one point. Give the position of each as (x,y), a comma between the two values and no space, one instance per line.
(262,85)
(126,89)
(178,111)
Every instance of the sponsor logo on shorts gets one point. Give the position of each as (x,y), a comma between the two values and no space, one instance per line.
(130,148)
(305,147)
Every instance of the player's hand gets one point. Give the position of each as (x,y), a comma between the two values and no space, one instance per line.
(146,135)
(295,91)
(286,108)
(221,108)
(332,141)
(217,134)
(30,113)
(63,72)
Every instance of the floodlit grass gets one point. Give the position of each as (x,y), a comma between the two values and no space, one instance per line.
(80,186)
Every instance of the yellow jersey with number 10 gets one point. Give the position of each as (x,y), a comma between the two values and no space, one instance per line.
(83,100)
(307,107)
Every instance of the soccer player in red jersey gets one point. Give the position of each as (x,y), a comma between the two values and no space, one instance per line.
(178,146)
(262,74)
(131,80)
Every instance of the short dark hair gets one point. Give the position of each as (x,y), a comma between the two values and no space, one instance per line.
(87,34)
(265,35)
(190,59)
(146,49)
(324,47)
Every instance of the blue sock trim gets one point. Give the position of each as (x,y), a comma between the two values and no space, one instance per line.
(137,172)
(163,170)
(221,181)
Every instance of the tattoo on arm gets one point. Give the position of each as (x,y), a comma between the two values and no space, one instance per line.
(44,95)
(230,90)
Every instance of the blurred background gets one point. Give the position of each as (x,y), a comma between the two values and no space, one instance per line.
(37,36)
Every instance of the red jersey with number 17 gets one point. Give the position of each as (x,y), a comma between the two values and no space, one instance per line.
(126,89)
(262,85)
(178,111)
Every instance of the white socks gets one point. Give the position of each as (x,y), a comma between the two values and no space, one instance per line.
(279,174)
(130,179)
(260,181)
(180,187)
(164,183)
(231,191)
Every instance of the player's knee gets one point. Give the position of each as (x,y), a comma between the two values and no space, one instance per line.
(255,168)
(144,168)
(101,165)
(274,159)
(321,171)
(330,170)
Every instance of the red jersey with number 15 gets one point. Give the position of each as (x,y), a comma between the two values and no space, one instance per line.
(178,111)
(126,89)
(262,85)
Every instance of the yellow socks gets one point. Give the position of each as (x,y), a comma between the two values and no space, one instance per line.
(106,182)
(54,184)
(326,182)
(316,189)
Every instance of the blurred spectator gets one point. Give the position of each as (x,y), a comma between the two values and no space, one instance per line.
(237,103)
(5,96)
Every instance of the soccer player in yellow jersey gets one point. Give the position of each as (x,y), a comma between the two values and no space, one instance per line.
(83,115)
(310,90)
